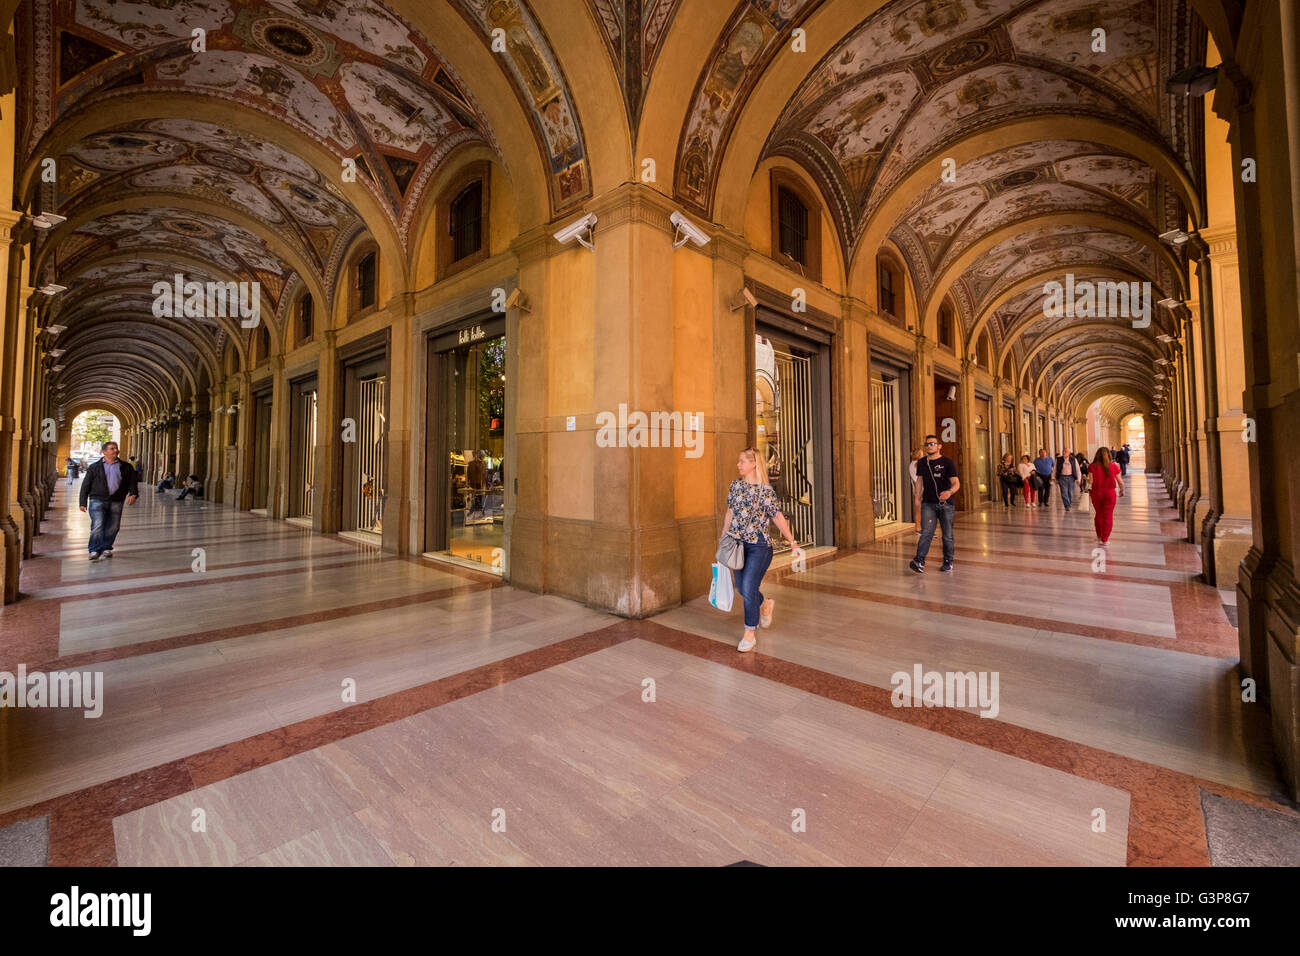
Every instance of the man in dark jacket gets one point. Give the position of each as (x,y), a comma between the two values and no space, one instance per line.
(1067,477)
(109,483)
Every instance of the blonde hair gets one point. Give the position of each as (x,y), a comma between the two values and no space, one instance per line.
(760,465)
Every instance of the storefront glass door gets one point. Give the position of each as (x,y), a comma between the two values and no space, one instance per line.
(471,444)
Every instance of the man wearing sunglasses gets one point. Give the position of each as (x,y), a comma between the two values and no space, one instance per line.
(939,482)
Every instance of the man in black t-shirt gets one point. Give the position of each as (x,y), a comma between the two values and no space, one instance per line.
(939,482)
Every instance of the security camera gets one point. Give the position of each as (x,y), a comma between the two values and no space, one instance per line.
(686,230)
(517,300)
(952,393)
(743,298)
(579,229)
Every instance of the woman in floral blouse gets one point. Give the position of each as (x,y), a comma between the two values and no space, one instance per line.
(751,504)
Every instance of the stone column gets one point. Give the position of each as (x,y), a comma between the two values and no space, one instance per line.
(1192,492)
(184,439)
(326,494)
(1198,248)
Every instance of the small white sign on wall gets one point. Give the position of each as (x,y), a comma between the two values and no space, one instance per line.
(571,423)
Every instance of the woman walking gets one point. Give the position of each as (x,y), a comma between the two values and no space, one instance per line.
(1104,482)
(751,504)
(1026,470)
(1009,479)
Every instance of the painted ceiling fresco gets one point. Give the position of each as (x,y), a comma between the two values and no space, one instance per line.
(350,74)
(1017,185)
(918,76)
(633,31)
(1055,249)
(749,41)
(542,89)
(191,158)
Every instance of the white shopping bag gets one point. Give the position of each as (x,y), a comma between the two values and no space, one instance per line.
(722,590)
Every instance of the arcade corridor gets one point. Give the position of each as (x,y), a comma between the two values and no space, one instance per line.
(455,323)
(1116,692)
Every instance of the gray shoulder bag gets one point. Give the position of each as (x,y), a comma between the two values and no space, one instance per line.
(730,552)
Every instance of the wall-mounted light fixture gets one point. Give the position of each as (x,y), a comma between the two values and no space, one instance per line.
(52,288)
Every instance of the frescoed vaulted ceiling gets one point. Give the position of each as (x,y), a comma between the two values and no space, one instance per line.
(918,79)
(215,135)
(214,167)
(633,31)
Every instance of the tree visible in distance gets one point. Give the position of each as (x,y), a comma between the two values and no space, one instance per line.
(89,427)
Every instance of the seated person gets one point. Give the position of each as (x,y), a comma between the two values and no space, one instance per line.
(168,482)
(192,486)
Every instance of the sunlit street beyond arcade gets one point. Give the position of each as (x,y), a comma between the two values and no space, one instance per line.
(650,433)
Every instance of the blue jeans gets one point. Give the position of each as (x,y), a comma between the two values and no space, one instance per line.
(1066,484)
(105,519)
(749,578)
(930,513)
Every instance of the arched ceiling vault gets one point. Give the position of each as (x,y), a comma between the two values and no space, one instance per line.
(288,130)
(1087,375)
(987,140)
(1101,389)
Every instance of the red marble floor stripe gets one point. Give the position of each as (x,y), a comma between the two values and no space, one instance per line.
(1197,608)
(81,823)
(198,580)
(129,546)
(1062,557)
(29,631)
(1209,644)
(84,658)
(36,573)
(1181,556)
(1166,827)
(1166,824)
(221,763)
(228,566)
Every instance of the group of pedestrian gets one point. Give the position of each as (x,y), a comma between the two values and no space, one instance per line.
(1068,471)
(752,506)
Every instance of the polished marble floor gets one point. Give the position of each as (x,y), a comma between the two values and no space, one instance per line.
(311,700)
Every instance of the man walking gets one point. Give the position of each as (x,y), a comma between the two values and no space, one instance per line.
(109,484)
(1044,465)
(1067,474)
(1121,458)
(938,478)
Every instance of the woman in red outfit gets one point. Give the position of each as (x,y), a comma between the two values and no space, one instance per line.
(1105,482)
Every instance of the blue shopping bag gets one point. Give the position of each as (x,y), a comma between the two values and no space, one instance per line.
(722,590)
